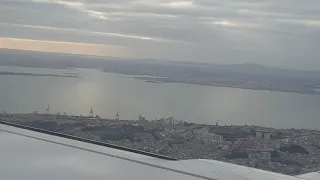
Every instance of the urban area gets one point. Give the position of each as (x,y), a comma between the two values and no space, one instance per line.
(288,151)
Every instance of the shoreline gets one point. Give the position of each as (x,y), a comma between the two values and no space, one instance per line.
(152,79)
(167,81)
(106,119)
(7,73)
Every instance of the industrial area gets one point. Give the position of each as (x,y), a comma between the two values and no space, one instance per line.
(288,151)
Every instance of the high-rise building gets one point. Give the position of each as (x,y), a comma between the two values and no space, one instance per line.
(217,138)
(258,134)
(266,136)
(142,120)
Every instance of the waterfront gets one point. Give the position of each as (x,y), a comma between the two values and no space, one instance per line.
(108,93)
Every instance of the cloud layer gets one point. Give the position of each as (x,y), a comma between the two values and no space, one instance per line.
(279,33)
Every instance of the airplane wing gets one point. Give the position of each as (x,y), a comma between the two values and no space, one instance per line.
(28,153)
(310,176)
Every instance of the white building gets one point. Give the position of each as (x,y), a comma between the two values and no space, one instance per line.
(265,155)
(259,135)
(266,136)
(263,135)
(172,121)
(254,156)
(217,138)
(260,156)
(142,120)
(203,134)
(285,141)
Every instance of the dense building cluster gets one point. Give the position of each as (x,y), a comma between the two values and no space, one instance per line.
(290,151)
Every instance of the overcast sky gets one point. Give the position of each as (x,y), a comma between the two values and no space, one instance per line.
(273,32)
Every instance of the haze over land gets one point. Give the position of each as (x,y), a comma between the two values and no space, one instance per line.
(246,76)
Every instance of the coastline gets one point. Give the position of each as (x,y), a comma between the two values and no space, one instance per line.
(7,73)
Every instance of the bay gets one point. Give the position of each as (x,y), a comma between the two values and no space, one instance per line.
(107,93)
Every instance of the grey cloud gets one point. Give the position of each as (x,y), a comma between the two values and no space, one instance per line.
(26,12)
(220,31)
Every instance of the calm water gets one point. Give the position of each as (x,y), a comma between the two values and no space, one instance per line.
(108,93)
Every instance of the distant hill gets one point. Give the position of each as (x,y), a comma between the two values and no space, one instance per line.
(61,60)
(246,76)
